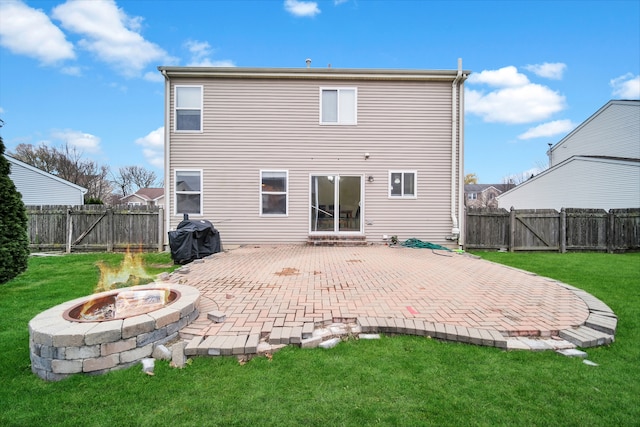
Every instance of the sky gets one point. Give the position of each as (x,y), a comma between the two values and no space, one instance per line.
(85,73)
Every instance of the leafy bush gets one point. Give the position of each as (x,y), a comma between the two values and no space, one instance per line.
(14,242)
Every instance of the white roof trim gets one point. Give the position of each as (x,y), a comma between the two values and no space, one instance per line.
(43,173)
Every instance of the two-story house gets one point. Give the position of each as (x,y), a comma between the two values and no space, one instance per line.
(293,155)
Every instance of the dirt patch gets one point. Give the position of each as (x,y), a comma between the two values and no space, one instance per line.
(288,271)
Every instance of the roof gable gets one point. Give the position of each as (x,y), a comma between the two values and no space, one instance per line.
(43,173)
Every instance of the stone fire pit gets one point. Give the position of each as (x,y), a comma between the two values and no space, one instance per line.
(63,341)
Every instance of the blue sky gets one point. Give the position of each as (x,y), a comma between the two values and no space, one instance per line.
(84,72)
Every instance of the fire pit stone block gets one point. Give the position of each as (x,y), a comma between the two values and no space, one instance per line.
(60,347)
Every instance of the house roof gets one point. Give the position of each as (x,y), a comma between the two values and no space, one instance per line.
(312,73)
(599,159)
(148,193)
(479,188)
(43,173)
(590,119)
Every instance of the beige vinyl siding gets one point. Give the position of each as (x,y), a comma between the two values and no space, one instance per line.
(271,124)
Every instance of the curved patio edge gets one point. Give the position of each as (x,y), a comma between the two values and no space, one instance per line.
(600,326)
(598,329)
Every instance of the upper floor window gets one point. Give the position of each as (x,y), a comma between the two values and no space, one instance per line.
(188,100)
(402,184)
(338,106)
(273,191)
(188,192)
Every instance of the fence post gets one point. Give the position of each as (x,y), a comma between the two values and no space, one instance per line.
(69,230)
(512,229)
(110,228)
(611,237)
(160,229)
(563,231)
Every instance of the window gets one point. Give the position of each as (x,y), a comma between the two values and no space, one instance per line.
(338,106)
(188,194)
(188,102)
(402,184)
(472,196)
(273,192)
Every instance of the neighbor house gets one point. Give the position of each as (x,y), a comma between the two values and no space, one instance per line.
(145,196)
(302,154)
(596,166)
(39,188)
(483,195)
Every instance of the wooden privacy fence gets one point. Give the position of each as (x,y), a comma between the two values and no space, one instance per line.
(549,230)
(95,228)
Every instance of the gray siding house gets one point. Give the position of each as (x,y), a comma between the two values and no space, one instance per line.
(595,166)
(39,188)
(289,155)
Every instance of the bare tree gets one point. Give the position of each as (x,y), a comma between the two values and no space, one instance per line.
(131,178)
(67,163)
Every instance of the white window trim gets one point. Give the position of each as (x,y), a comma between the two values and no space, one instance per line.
(286,193)
(175,109)
(175,193)
(415,184)
(355,106)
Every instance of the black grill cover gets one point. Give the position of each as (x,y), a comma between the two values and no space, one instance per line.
(193,240)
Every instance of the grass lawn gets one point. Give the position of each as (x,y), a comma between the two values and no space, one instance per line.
(393,381)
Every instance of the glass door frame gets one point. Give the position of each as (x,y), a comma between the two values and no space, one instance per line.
(336,200)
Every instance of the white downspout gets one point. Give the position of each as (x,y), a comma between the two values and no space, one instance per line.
(168,208)
(462,225)
(455,228)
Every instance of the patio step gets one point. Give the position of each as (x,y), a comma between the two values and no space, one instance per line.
(333,240)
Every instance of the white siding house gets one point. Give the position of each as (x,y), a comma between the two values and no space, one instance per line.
(596,166)
(40,188)
(285,155)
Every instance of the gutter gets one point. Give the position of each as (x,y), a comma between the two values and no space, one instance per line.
(455,226)
(167,176)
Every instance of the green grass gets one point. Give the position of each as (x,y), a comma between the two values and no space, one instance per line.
(392,381)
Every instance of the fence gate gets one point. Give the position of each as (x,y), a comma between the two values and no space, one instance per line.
(534,229)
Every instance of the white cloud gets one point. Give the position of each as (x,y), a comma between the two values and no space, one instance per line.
(626,86)
(153,147)
(83,142)
(503,77)
(71,71)
(153,76)
(548,70)
(200,53)
(516,99)
(301,8)
(27,31)
(1,110)
(110,34)
(556,127)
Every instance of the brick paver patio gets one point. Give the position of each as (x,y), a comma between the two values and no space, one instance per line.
(260,288)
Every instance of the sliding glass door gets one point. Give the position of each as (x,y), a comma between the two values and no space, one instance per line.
(335,203)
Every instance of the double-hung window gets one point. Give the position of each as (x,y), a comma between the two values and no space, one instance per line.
(188,192)
(338,106)
(188,114)
(402,184)
(274,186)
